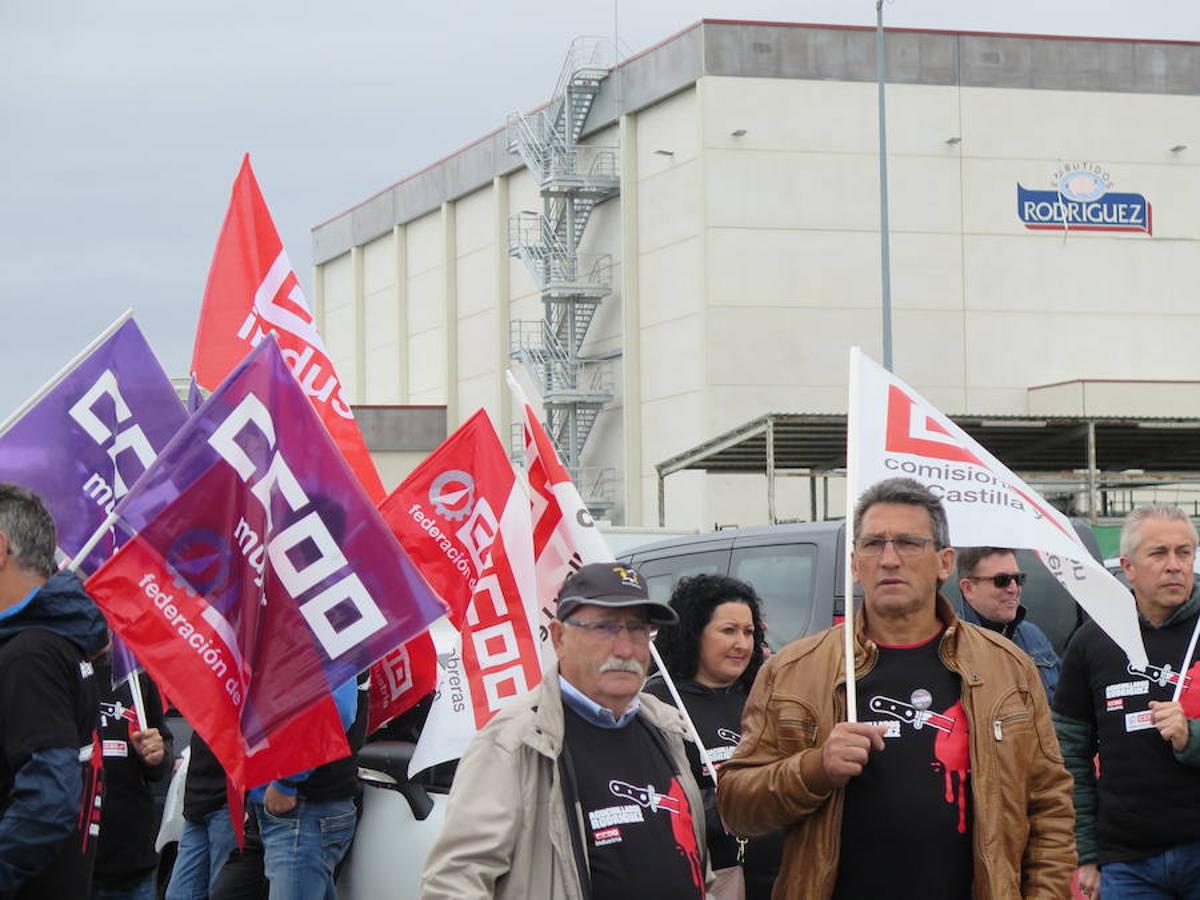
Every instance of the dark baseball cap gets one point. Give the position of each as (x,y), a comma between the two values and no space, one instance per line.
(613,585)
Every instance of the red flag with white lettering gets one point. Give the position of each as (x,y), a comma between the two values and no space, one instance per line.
(252,291)
(463,518)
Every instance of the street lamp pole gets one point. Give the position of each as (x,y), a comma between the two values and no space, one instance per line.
(885,264)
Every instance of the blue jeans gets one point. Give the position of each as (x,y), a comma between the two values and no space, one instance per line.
(143,890)
(203,849)
(302,848)
(1171,875)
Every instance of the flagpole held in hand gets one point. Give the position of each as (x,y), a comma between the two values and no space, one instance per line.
(851,499)
(1187,658)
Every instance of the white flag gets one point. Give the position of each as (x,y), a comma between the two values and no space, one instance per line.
(897,432)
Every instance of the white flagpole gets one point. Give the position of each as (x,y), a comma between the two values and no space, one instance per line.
(139,705)
(691,726)
(64,371)
(135,682)
(1187,658)
(87,548)
(135,685)
(851,499)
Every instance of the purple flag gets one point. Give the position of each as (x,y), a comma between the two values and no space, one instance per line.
(264,532)
(90,433)
(195,396)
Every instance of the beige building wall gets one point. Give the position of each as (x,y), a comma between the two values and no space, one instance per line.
(754,217)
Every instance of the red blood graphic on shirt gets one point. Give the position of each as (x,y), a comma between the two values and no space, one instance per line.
(953,752)
(685,835)
(1190,698)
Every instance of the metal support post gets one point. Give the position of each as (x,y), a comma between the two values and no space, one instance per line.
(771,471)
(1093,516)
(885,265)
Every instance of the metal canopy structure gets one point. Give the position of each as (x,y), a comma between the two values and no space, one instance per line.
(1086,453)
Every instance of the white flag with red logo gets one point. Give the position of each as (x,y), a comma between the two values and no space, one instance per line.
(894,431)
(564,535)
(251,292)
(463,518)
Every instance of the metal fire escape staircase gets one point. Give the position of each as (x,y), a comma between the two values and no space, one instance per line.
(573,179)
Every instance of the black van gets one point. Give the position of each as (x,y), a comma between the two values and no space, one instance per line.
(798,570)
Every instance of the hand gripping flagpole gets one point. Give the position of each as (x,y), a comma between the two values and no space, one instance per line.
(851,498)
(135,684)
(1187,658)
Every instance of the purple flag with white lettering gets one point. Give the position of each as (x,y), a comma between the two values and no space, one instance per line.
(259,554)
(88,435)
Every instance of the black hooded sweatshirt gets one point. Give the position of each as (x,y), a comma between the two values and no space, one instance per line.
(49,761)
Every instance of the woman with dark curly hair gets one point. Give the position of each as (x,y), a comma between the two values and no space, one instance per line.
(713,655)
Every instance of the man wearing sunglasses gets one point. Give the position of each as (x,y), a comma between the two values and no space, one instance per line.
(990,582)
(581,789)
(949,782)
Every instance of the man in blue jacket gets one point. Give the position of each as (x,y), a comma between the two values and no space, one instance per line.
(49,765)
(990,582)
(307,820)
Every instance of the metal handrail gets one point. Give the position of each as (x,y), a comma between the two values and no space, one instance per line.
(597,482)
(585,52)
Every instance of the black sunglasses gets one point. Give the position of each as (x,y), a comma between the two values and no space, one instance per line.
(1003,579)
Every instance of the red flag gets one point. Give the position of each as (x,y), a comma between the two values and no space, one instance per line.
(564,535)
(435,516)
(400,680)
(252,291)
(464,520)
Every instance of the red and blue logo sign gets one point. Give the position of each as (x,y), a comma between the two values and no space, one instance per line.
(1082,199)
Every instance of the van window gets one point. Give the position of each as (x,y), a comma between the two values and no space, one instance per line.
(662,574)
(783,576)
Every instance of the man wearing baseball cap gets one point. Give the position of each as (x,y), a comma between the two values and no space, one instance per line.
(582,787)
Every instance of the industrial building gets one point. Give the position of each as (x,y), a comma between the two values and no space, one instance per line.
(677,251)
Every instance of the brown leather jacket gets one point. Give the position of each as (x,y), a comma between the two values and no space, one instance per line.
(1023,835)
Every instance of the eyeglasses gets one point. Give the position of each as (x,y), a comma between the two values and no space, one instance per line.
(905,544)
(639,632)
(1002,579)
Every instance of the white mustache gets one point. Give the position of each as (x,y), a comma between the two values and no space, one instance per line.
(617,664)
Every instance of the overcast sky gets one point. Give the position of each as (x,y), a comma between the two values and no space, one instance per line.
(122,124)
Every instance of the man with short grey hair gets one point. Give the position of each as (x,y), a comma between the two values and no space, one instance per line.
(990,582)
(969,798)
(581,789)
(49,632)
(1138,827)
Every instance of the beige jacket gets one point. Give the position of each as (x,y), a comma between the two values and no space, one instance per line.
(1023,835)
(506,830)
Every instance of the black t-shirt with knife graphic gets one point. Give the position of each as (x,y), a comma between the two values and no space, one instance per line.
(638,829)
(906,828)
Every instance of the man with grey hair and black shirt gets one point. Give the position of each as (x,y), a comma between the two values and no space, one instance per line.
(949,784)
(580,789)
(1138,827)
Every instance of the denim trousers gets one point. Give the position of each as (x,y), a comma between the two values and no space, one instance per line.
(301,848)
(1173,874)
(203,849)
